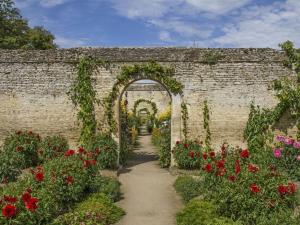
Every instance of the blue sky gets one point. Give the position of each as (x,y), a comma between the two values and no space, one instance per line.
(200,23)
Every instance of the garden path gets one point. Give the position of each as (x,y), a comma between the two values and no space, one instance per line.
(149,196)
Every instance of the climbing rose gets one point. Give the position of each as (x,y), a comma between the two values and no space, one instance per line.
(237,167)
(253,168)
(69,152)
(254,188)
(220,164)
(81,150)
(296,144)
(10,199)
(282,189)
(277,153)
(205,156)
(39,177)
(208,167)
(191,154)
(31,204)
(292,188)
(245,153)
(9,211)
(232,178)
(177,142)
(69,180)
(186,145)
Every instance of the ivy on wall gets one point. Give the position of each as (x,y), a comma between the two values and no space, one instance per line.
(141,100)
(184,117)
(206,119)
(288,94)
(83,96)
(153,71)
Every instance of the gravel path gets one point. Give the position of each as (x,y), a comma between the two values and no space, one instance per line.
(149,196)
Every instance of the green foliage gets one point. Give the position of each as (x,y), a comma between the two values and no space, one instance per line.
(185,117)
(188,155)
(206,124)
(199,212)
(187,187)
(153,71)
(164,151)
(26,143)
(52,147)
(97,209)
(15,32)
(108,151)
(141,100)
(109,186)
(83,96)
(211,58)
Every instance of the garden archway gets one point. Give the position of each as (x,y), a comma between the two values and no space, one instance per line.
(150,71)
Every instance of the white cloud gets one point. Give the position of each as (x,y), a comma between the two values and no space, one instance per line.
(217,6)
(52,3)
(263,26)
(63,42)
(165,36)
(45,3)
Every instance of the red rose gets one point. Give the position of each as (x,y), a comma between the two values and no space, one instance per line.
(9,211)
(81,150)
(69,152)
(186,145)
(93,162)
(10,199)
(282,189)
(208,167)
(31,204)
(191,154)
(237,167)
(254,188)
(25,197)
(69,180)
(39,177)
(86,163)
(205,156)
(253,168)
(245,153)
(292,188)
(232,178)
(220,164)
(19,148)
(212,154)
(177,142)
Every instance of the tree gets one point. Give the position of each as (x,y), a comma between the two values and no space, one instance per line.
(15,32)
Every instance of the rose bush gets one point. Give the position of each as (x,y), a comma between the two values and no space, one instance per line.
(188,155)
(52,147)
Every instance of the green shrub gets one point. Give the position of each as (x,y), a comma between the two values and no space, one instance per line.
(199,212)
(26,143)
(164,151)
(188,155)
(11,164)
(156,136)
(187,187)
(109,186)
(97,209)
(107,149)
(53,147)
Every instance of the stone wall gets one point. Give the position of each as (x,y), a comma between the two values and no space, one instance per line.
(33,86)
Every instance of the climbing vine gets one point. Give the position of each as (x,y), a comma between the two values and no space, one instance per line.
(211,58)
(141,100)
(83,96)
(185,117)
(288,94)
(206,118)
(153,71)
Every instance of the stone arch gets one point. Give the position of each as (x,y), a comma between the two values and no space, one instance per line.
(141,100)
(150,71)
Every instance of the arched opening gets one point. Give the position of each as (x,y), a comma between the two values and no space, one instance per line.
(145,112)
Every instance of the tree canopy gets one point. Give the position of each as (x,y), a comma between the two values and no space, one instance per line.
(15,32)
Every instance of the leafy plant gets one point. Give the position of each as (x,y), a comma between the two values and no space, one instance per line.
(211,58)
(185,117)
(206,124)
(164,151)
(187,187)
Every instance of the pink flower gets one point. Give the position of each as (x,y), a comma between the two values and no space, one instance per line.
(289,141)
(277,153)
(280,138)
(296,144)
(298,157)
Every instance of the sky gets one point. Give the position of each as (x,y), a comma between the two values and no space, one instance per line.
(149,23)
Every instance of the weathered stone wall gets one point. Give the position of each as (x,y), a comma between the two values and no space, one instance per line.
(33,86)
